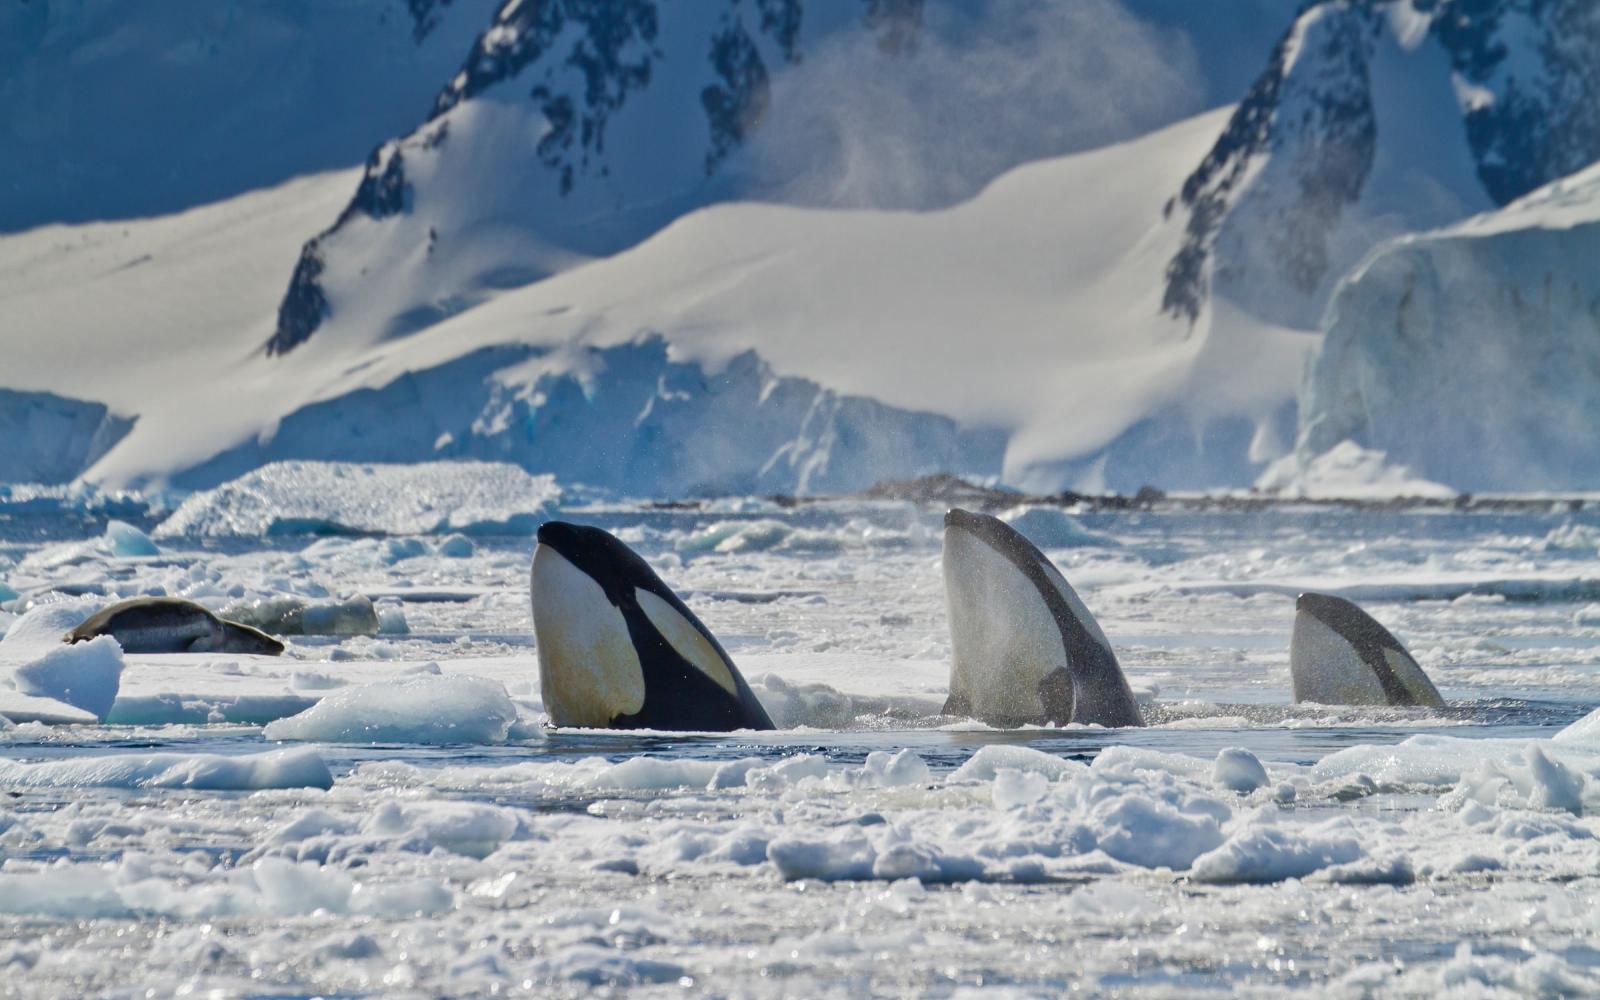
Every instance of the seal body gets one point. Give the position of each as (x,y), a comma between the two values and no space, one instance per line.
(619,650)
(172,625)
(1024,649)
(1340,655)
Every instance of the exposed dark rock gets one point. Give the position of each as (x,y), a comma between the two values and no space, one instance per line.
(304,305)
(424,17)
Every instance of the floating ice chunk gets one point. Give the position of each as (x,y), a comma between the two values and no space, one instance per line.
(19,707)
(1554,785)
(896,770)
(601,967)
(1018,788)
(353,498)
(300,767)
(987,762)
(1238,770)
(269,887)
(735,536)
(456,547)
(43,628)
(1052,528)
(1163,830)
(1260,853)
(355,615)
(1418,760)
(1584,732)
(1533,782)
(470,829)
(656,773)
(417,709)
(396,550)
(126,541)
(85,675)
(392,619)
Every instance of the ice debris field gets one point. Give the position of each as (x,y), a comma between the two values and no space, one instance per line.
(381,812)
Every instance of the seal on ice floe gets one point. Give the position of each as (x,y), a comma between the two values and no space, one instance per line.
(1340,655)
(619,650)
(172,625)
(1024,649)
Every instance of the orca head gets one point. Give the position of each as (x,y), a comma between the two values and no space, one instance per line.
(1340,655)
(1024,649)
(618,649)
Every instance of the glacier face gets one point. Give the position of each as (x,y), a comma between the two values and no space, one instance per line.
(50,438)
(627,418)
(1471,355)
(1377,118)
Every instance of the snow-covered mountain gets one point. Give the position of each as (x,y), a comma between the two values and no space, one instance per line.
(753,245)
(1378,118)
(1472,354)
(115,110)
(575,130)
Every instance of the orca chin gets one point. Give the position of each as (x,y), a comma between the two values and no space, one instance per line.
(1340,655)
(1024,649)
(619,650)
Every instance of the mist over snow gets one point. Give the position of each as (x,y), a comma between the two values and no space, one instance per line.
(976,89)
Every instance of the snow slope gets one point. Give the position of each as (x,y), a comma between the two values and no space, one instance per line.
(575,131)
(1025,310)
(1472,354)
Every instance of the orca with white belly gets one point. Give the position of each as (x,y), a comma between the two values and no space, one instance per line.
(1024,649)
(1340,655)
(619,650)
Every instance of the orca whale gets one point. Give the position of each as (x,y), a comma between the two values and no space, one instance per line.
(619,650)
(172,625)
(1340,655)
(1024,649)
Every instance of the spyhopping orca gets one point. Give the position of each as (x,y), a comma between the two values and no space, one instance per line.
(1024,648)
(619,650)
(172,625)
(1339,655)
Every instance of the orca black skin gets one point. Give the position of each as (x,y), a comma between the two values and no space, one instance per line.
(678,695)
(1375,646)
(1092,688)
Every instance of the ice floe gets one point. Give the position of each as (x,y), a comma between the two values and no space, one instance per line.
(353,498)
(417,709)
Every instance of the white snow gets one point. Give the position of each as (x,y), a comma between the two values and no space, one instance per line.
(127,541)
(295,768)
(1238,770)
(1346,471)
(299,497)
(85,675)
(1012,262)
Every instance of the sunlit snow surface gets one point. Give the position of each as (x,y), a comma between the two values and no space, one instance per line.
(870,846)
